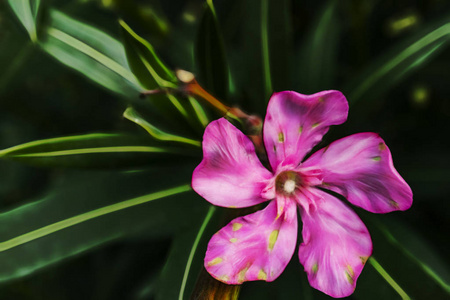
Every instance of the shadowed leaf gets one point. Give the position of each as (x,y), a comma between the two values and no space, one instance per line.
(91,52)
(87,210)
(210,55)
(27,11)
(98,151)
(403,59)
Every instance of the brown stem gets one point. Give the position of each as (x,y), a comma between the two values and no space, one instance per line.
(208,288)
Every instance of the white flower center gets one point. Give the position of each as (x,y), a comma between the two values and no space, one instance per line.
(289,186)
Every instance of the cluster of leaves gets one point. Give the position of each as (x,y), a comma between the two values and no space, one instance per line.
(132,186)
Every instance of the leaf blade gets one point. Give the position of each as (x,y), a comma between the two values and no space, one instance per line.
(398,62)
(27,12)
(97,151)
(91,52)
(210,55)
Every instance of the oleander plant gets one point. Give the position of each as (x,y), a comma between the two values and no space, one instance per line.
(188,149)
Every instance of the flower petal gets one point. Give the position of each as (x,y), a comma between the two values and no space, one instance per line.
(295,123)
(360,168)
(254,247)
(230,173)
(336,245)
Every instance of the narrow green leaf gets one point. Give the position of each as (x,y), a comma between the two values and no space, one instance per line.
(15,65)
(91,52)
(210,54)
(72,221)
(193,251)
(97,151)
(144,62)
(133,116)
(153,74)
(407,257)
(388,278)
(185,257)
(400,61)
(281,45)
(27,12)
(86,210)
(265,48)
(318,54)
(199,111)
(417,250)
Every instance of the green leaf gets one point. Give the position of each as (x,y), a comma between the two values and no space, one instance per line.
(399,62)
(265,48)
(98,151)
(318,54)
(179,266)
(133,116)
(406,259)
(418,251)
(91,52)
(212,67)
(27,11)
(280,44)
(376,265)
(90,209)
(154,75)
(144,62)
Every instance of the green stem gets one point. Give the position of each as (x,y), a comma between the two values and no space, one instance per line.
(193,250)
(388,278)
(265,48)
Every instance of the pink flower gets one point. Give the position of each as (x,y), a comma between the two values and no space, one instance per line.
(336,243)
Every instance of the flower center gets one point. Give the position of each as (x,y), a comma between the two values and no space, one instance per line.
(289,186)
(287,182)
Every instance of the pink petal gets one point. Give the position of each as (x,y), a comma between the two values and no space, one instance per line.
(360,168)
(295,123)
(336,245)
(254,247)
(230,173)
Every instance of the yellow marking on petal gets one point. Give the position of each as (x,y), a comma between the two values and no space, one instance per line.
(376,158)
(280,210)
(315,125)
(320,99)
(315,268)
(273,239)
(281,137)
(233,240)
(237,226)
(363,259)
(215,261)
(232,206)
(382,146)
(393,203)
(241,275)
(262,275)
(224,278)
(350,274)
(300,130)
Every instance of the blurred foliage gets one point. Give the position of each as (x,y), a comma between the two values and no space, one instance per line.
(93,206)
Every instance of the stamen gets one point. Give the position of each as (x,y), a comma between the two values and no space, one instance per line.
(289,186)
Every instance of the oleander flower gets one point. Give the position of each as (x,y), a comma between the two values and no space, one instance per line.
(336,243)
